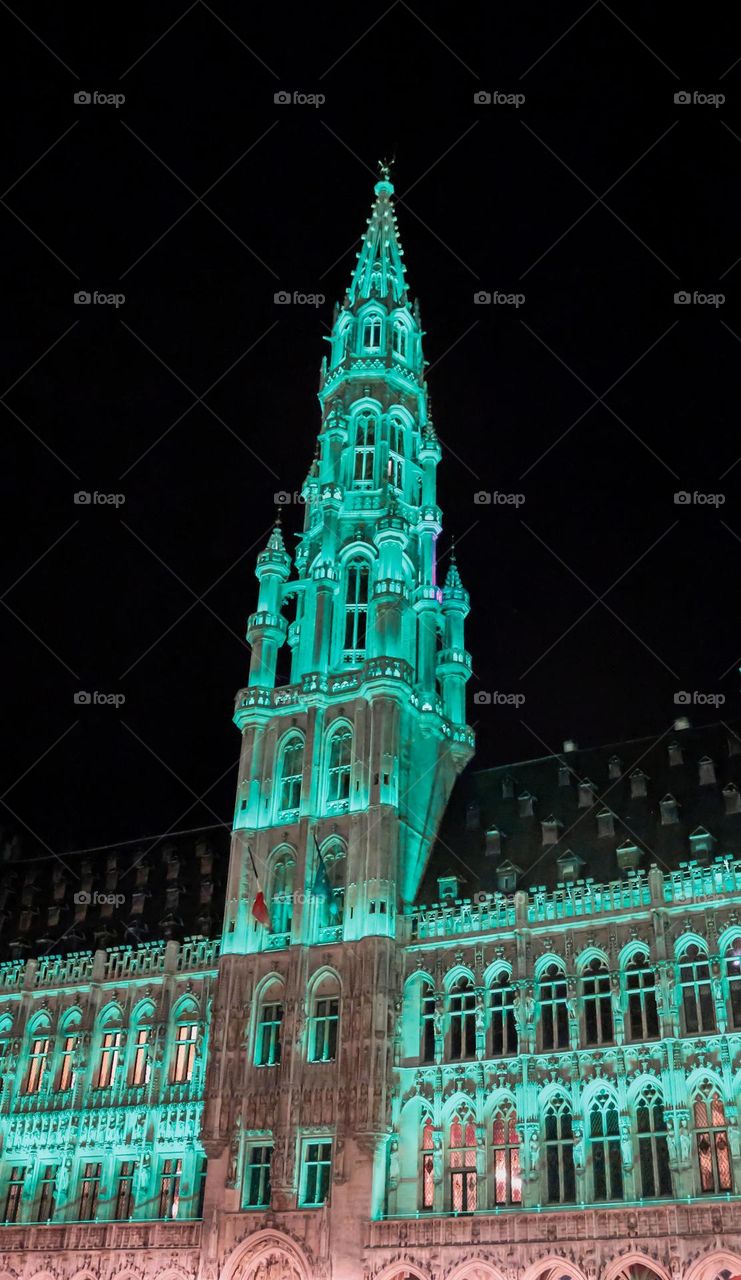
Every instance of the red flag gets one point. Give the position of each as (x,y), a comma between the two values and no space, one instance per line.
(260,909)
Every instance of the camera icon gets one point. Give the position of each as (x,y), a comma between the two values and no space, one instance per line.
(282,98)
(82,698)
(482,699)
(83,298)
(282,298)
(82,498)
(82,899)
(682,299)
(281,498)
(482,298)
(682,97)
(682,498)
(482,98)
(482,498)
(83,98)
(682,698)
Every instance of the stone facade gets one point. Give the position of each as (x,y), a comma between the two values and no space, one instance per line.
(513,1084)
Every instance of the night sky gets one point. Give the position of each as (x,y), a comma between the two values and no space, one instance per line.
(198,198)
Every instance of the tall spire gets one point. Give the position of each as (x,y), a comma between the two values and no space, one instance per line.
(379,272)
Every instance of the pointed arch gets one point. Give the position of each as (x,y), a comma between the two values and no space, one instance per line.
(635,1266)
(289,774)
(338,755)
(268,1020)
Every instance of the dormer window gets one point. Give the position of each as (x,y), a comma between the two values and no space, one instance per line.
(669,810)
(507,875)
(675,754)
(525,803)
(638,781)
(732,798)
(493,843)
(508,788)
(628,856)
(734,745)
(372,333)
(606,823)
(569,865)
(586,794)
(614,767)
(707,772)
(447,887)
(701,842)
(550,827)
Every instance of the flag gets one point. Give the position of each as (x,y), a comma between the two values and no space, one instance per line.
(322,887)
(260,909)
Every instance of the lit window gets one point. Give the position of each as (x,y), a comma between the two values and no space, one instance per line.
(170,1188)
(697,996)
(15,1193)
(142,1066)
(428,1166)
(257,1177)
(506,1158)
(597,999)
(643,1016)
(317,1164)
(38,1056)
(125,1190)
(554,1016)
(462,1165)
(291,774)
(711,1137)
(89,1192)
(110,1056)
(268,1035)
(185,1052)
(67,1069)
(340,762)
(604,1137)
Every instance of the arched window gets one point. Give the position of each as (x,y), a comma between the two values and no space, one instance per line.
(269,1024)
(329,884)
(400,339)
(69,1041)
(365,444)
(711,1139)
(698,1010)
(339,763)
(39,1054)
(187,1031)
(109,1060)
(604,1142)
(554,1015)
(559,1152)
(290,775)
(324,1021)
(733,977)
(428,1166)
(462,1148)
(281,892)
(396,453)
(653,1153)
(356,610)
(597,1000)
(462,1019)
(427,1019)
(143,1046)
(640,982)
(502,1028)
(506,1157)
(372,333)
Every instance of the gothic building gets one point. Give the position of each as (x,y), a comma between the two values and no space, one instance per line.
(476,1030)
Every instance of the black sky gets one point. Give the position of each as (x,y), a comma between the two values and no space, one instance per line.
(492,197)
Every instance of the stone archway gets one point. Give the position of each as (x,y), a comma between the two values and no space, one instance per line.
(267,1255)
